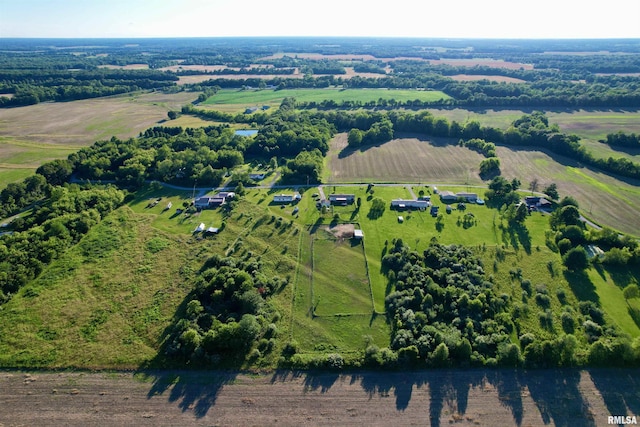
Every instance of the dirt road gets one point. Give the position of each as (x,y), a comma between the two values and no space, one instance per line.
(435,398)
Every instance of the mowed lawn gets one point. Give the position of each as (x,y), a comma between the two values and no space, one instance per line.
(237,99)
(340,284)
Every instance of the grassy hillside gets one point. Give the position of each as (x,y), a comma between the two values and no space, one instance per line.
(111,301)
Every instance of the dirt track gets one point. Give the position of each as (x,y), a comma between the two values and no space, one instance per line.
(472,397)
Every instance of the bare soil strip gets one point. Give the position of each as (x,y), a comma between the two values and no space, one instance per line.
(436,398)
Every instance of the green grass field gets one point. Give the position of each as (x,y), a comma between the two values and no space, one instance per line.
(86,312)
(19,159)
(238,100)
(340,284)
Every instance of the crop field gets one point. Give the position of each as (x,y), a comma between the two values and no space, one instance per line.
(81,123)
(604,199)
(487,62)
(19,159)
(589,125)
(32,135)
(407,159)
(238,100)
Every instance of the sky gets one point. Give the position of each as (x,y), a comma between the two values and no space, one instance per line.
(394,18)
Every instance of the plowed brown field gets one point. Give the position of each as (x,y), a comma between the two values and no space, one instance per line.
(436,398)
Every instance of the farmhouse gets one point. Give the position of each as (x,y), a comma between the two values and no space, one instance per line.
(342,199)
(448,196)
(287,198)
(206,202)
(469,197)
(537,202)
(256,176)
(405,204)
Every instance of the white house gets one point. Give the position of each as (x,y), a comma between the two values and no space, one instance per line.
(405,204)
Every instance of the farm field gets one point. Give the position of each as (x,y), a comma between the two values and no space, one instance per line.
(238,100)
(504,397)
(476,77)
(406,159)
(81,123)
(32,135)
(589,125)
(605,200)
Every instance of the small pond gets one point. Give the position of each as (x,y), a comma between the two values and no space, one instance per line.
(246,132)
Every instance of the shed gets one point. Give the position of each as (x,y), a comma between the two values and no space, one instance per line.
(199,228)
(400,219)
(213,230)
(358,234)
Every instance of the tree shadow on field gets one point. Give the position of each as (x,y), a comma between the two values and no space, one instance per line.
(557,396)
(191,390)
(582,286)
(619,389)
(520,234)
(313,380)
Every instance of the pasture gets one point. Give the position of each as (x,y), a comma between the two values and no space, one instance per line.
(340,284)
(238,100)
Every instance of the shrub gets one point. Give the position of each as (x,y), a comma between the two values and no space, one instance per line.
(543,300)
(290,348)
(335,361)
(526,339)
(568,322)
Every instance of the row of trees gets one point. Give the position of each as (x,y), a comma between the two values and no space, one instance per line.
(529,130)
(31,87)
(622,139)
